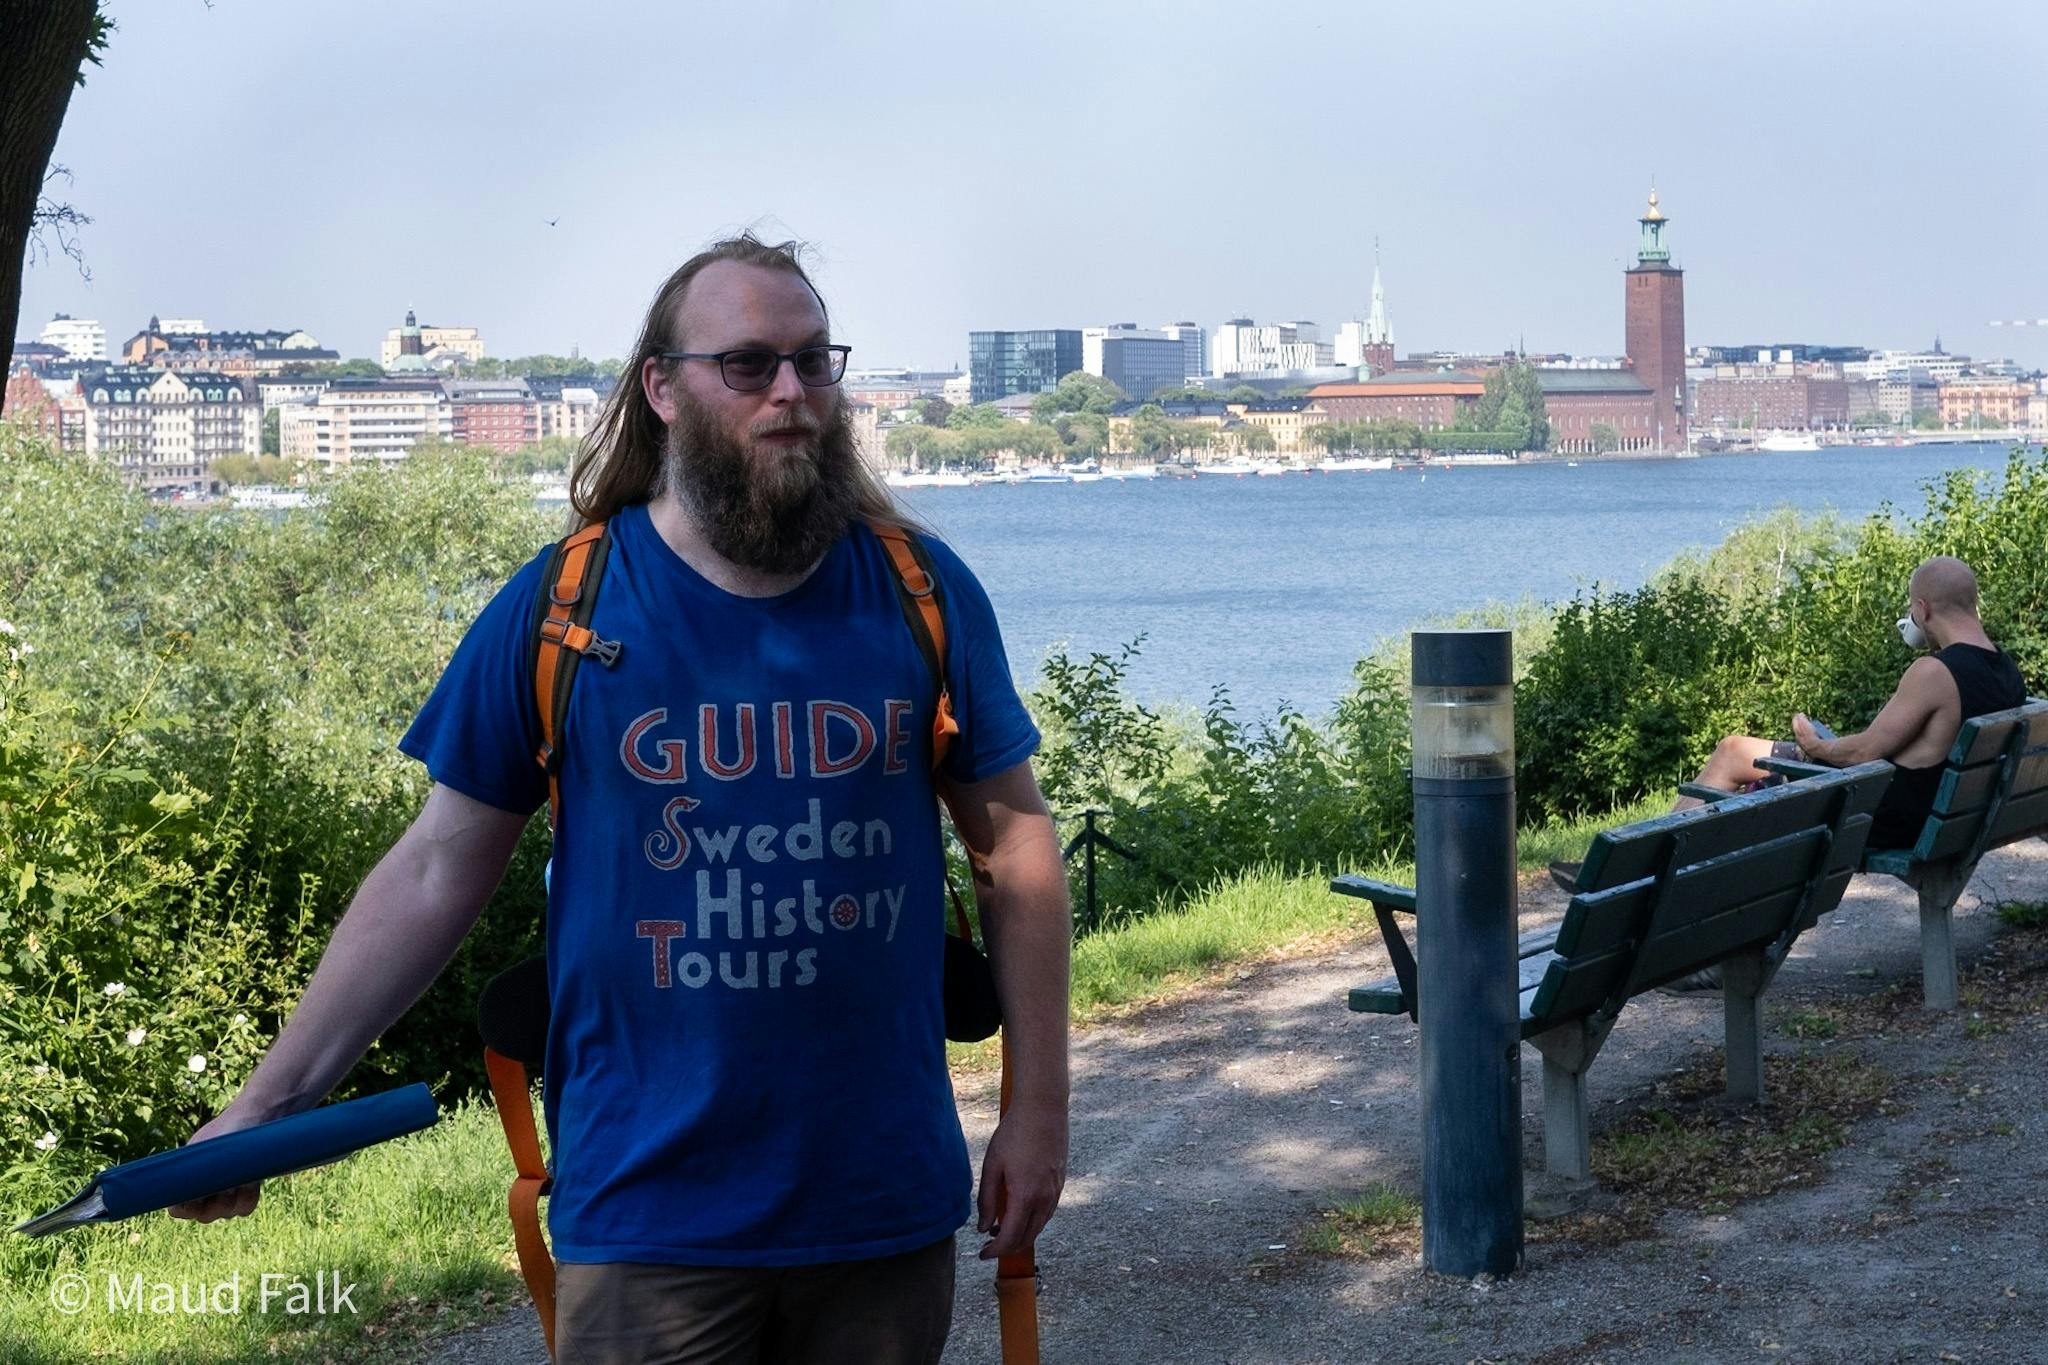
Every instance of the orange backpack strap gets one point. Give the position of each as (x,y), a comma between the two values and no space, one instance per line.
(515,1112)
(924,609)
(562,637)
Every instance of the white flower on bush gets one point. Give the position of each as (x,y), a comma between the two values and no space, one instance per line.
(241,1018)
(47,1140)
(112,988)
(6,626)
(40,1069)
(136,1035)
(196,1062)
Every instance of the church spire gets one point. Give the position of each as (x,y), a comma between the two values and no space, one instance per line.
(1378,330)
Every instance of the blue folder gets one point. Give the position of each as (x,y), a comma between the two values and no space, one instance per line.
(295,1143)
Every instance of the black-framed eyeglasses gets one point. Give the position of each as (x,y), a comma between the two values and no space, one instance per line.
(754,368)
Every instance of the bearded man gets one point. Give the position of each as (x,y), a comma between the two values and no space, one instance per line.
(756,1153)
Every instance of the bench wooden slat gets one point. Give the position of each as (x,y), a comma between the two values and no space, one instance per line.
(1946,837)
(1595,921)
(1985,738)
(1572,987)
(1967,789)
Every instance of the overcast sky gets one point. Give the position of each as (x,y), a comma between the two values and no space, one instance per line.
(1865,174)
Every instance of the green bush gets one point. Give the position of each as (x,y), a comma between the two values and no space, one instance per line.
(197,768)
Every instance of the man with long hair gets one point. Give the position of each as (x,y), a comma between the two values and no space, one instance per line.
(757,1156)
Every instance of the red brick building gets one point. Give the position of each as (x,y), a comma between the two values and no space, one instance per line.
(1746,397)
(1578,401)
(504,419)
(30,404)
(1655,329)
(1430,401)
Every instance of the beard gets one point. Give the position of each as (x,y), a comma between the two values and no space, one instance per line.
(774,508)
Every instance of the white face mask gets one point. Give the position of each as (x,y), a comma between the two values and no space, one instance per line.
(1910,632)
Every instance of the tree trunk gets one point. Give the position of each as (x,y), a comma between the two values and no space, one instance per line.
(43,44)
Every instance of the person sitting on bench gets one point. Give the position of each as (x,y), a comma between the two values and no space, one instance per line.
(1966,676)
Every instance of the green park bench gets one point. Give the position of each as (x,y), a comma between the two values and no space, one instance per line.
(1734,884)
(1994,792)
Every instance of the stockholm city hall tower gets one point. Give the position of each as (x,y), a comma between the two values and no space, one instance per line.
(1656,327)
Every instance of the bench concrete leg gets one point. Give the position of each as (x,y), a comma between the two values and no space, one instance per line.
(1743,978)
(1567,1051)
(1939,891)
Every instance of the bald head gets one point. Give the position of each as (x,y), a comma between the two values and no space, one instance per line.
(1947,585)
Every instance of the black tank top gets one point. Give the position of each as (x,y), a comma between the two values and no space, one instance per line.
(1987,680)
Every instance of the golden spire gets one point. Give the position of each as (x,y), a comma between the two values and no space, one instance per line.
(1654,215)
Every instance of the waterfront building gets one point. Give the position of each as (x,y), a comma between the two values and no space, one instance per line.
(1902,393)
(1138,361)
(365,419)
(1287,420)
(887,390)
(1242,347)
(165,428)
(958,391)
(78,338)
(1002,364)
(567,406)
(1775,397)
(498,414)
(1429,400)
(1215,415)
(1936,364)
(439,347)
(1195,348)
(1654,327)
(1579,401)
(1984,401)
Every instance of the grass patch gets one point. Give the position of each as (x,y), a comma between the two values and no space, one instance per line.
(1809,1023)
(418,1225)
(2024,914)
(1381,1221)
(1567,840)
(1684,1148)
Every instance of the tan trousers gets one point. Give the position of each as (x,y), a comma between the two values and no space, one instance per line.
(892,1311)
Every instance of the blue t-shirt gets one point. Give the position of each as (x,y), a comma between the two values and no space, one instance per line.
(746,1058)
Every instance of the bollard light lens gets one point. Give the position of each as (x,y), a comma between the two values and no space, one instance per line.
(1463,733)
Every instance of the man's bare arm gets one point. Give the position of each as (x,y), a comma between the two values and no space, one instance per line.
(1029,931)
(1922,691)
(403,926)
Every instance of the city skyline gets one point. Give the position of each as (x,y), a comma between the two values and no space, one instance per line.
(1146,172)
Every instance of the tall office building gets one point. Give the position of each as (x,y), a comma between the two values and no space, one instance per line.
(1003,364)
(78,338)
(1195,342)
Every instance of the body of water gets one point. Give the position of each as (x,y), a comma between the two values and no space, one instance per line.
(1276,586)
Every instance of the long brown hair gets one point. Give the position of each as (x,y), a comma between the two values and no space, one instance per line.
(620,462)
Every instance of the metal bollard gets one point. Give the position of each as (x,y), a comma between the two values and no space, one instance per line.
(1466,986)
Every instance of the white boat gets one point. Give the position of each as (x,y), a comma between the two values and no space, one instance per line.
(264,497)
(1136,471)
(1045,473)
(1786,440)
(943,478)
(1236,468)
(1085,471)
(1348,463)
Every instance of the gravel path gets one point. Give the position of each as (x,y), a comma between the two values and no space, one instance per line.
(1209,1134)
